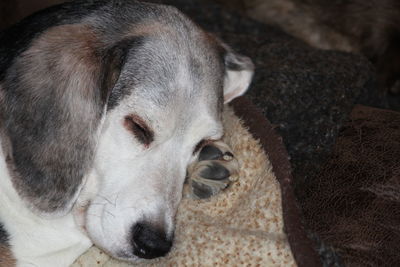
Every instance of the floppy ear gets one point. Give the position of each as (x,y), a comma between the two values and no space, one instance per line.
(239,71)
(54,98)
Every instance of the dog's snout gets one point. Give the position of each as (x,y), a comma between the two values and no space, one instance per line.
(149,242)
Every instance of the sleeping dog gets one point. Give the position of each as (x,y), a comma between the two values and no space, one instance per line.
(104,105)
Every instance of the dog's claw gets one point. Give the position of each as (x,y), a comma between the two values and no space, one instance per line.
(213,171)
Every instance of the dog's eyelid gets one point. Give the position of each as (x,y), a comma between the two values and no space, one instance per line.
(139,128)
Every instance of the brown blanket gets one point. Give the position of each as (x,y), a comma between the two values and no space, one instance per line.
(354,205)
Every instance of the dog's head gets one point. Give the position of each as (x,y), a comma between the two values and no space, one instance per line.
(120,99)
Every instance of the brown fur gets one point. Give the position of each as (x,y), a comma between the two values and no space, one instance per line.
(70,61)
(148,29)
(72,53)
(6,257)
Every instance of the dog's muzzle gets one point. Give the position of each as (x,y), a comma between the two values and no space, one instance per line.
(149,242)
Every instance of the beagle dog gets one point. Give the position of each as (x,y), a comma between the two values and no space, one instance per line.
(103,106)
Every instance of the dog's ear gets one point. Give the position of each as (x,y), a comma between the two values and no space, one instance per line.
(55,94)
(239,72)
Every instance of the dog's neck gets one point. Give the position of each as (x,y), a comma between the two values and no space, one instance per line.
(35,240)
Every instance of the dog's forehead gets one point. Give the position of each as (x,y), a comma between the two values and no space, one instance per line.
(166,67)
(169,56)
(172,70)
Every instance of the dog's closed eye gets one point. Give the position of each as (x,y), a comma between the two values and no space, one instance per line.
(139,129)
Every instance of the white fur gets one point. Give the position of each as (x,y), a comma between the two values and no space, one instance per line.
(37,241)
(236,83)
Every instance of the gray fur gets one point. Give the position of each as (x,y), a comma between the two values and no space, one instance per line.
(57,82)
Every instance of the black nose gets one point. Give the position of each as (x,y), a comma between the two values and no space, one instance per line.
(148,242)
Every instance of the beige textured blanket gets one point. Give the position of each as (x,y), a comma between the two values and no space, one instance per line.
(242,226)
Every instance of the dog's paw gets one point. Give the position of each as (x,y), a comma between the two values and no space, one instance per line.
(213,171)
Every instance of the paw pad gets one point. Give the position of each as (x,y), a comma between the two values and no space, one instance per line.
(213,171)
